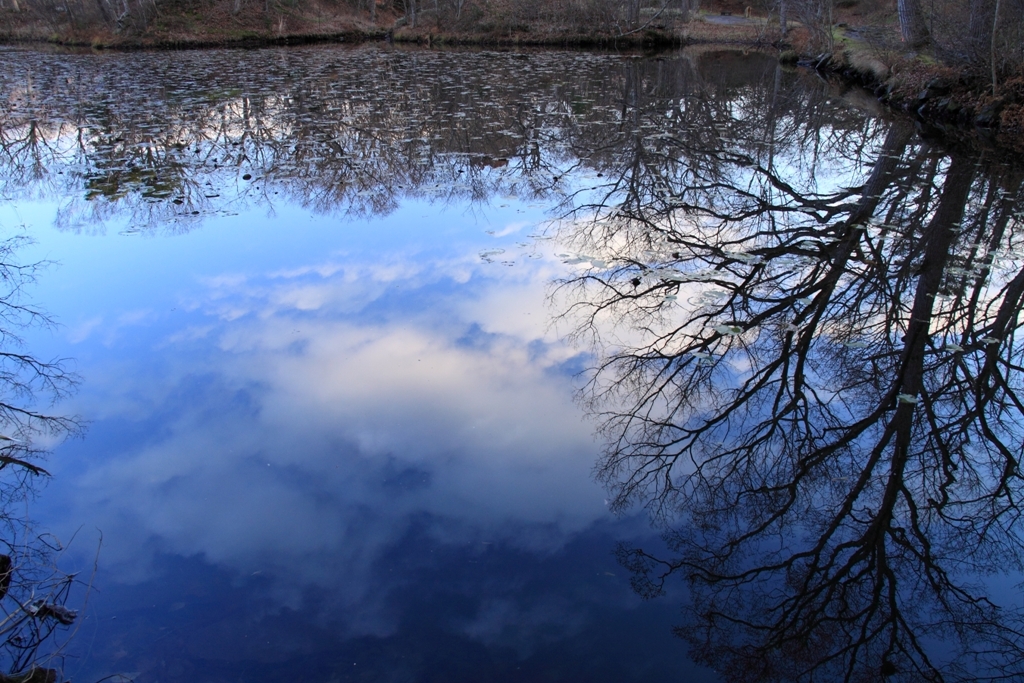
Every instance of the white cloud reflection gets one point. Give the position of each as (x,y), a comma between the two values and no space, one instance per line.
(299,421)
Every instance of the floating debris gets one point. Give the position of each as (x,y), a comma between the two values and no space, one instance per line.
(49,610)
(489,254)
(744,257)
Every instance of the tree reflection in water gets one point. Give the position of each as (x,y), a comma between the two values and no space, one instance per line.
(33,590)
(814,385)
(806,318)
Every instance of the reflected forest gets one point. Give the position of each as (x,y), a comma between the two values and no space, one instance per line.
(810,376)
(802,317)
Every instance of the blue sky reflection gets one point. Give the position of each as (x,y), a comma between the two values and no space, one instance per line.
(294,404)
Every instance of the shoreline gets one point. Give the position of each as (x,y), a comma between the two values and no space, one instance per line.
(944,102)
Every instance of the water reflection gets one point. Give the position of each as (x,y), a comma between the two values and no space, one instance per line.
(347,132)
(362,431)
(35,595)
(368,438)
(354,132)
(814,385)
(341,460)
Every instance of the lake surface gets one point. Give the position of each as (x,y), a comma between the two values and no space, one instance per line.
(407,365)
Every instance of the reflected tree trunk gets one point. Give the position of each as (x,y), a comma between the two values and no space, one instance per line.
(818,392)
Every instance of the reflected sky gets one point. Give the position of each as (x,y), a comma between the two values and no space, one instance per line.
(305,420)
(423,366)
(313,297)
(332,431)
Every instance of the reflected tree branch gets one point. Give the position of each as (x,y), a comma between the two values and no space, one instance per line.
(814,393)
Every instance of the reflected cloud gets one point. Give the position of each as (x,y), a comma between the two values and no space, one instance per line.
(319,415)
(372,432)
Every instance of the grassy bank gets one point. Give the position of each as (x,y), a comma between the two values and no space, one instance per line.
(946,100)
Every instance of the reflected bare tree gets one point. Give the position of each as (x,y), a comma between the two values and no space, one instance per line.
(33,590)
(347,134)
(806,318)
(810,377)
(353,133)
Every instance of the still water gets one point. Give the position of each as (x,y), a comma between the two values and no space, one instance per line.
(404,365)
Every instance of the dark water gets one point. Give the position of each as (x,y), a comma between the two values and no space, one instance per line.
(411,365)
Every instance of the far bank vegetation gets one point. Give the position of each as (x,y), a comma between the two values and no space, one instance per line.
(982,41)
(968,30)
